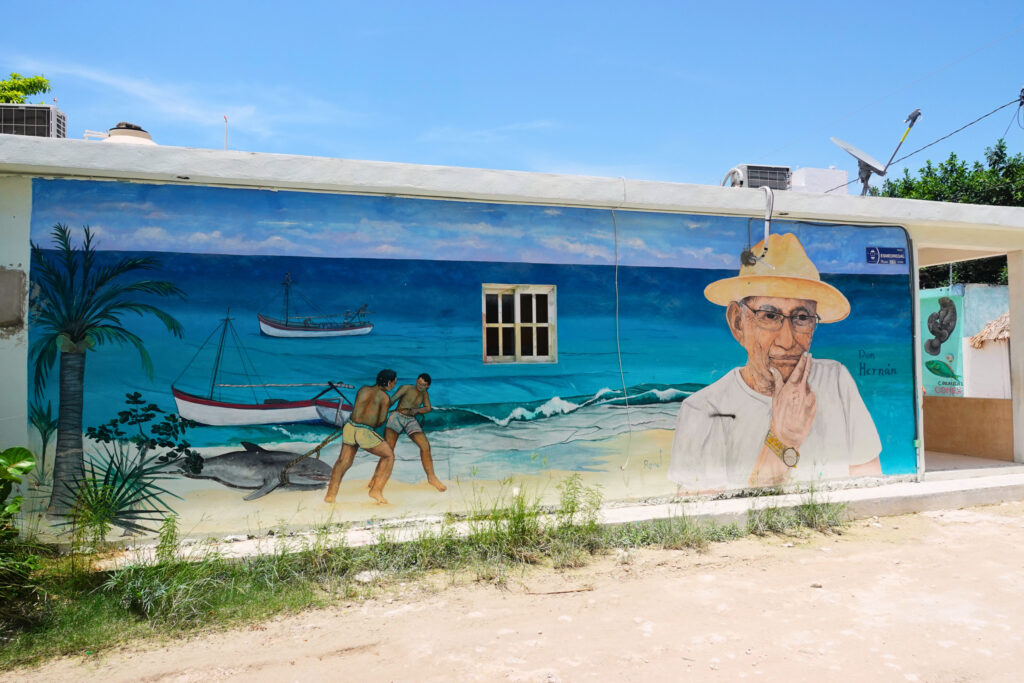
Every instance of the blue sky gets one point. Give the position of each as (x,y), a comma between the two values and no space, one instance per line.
(669,91)
(138,217)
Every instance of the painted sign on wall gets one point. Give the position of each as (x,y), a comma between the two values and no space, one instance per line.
(443,347)
(941,322)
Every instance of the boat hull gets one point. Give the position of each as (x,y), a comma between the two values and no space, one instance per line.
(222,413)
(337,414)
(275,328)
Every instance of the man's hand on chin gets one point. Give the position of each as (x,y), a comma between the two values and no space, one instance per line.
(793,404)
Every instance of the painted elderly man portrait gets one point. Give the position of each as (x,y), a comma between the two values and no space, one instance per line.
(784,416)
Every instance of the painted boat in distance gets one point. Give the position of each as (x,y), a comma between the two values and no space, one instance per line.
(214,412)
(352,323)
(273,327)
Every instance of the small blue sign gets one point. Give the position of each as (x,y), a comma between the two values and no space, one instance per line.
(886,255)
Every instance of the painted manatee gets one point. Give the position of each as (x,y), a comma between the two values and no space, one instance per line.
(260,469)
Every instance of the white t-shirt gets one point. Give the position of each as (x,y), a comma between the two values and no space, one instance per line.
(721,428)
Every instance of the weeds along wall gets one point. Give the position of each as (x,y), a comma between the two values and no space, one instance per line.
(198,340)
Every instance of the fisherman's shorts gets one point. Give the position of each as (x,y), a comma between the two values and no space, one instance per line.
(355,434)
(397,422)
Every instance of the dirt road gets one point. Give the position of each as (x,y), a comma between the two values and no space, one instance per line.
(930,597)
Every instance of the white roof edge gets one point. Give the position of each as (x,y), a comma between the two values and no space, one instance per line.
(22,155)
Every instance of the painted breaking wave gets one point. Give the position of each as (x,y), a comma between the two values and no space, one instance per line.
(504,414)
(554,411)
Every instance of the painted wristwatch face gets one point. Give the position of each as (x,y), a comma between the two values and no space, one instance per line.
(791,457)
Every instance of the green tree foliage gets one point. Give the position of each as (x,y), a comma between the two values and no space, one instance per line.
(999,181)
(15,89)
(79,306)
(15,462)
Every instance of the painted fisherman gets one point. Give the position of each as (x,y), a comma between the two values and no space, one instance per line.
(413,400)
(368,413)
(783,417)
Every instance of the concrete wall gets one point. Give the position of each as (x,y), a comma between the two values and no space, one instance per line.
(979,427)
(15,216)
(987,370)
(939,232)
(982,304)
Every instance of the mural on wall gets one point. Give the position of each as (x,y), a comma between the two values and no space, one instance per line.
(941,316)
(319,354)
(783,416)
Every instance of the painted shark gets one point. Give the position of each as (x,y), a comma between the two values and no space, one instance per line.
(260,469)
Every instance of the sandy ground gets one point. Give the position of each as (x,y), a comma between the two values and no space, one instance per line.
(930,597)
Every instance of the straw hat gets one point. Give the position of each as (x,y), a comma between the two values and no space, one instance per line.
(785,272)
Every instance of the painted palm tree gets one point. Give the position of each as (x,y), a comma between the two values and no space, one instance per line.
(79,305)
(46,424)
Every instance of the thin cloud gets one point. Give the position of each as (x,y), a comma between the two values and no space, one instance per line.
(455,135)
(175,101)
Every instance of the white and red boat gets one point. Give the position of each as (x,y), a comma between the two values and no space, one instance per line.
(352,324)
(209,411)
(213,409)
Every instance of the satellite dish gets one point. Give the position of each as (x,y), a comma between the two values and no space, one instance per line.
(866,164)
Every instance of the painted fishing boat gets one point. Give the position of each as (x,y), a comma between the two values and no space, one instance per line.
(213,409)
(352,323)
(210,411)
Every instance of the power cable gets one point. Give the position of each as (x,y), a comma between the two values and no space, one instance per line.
(1012,119)
(935,142)
(618,341)
(1015,100)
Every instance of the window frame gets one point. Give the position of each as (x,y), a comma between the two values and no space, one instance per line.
(518,325)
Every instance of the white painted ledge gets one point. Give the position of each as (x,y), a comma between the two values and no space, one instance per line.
(85,159)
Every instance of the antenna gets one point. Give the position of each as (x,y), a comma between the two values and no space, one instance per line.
(867,164)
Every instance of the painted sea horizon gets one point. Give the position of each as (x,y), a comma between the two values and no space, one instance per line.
(492,420)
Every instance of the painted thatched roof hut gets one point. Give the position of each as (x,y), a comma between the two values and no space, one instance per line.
(995,330)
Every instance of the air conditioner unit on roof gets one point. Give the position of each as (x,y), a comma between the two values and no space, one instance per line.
(38,120)
(750,175)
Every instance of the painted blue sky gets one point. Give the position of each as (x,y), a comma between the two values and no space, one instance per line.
(138,217)
(676,91)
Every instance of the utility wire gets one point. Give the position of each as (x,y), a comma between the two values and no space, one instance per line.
(1016,100)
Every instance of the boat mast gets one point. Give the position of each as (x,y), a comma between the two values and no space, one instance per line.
(287,286)
(220,351)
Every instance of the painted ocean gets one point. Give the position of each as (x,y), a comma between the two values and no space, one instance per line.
(489,420)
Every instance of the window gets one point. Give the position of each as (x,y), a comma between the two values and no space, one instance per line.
(519,324)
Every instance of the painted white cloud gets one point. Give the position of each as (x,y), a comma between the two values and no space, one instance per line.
(153,233)
(568,246)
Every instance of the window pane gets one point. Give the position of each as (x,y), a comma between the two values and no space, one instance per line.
(526,341)
(542,308)
(542,341)
(526,308)
(508,340)
(508,308)
(491,301)
(492,341)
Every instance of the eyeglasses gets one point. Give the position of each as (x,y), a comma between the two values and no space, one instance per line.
(772,320)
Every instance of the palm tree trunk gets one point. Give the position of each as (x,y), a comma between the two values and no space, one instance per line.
(68,461)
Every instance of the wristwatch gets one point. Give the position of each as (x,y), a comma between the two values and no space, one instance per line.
(789,455)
